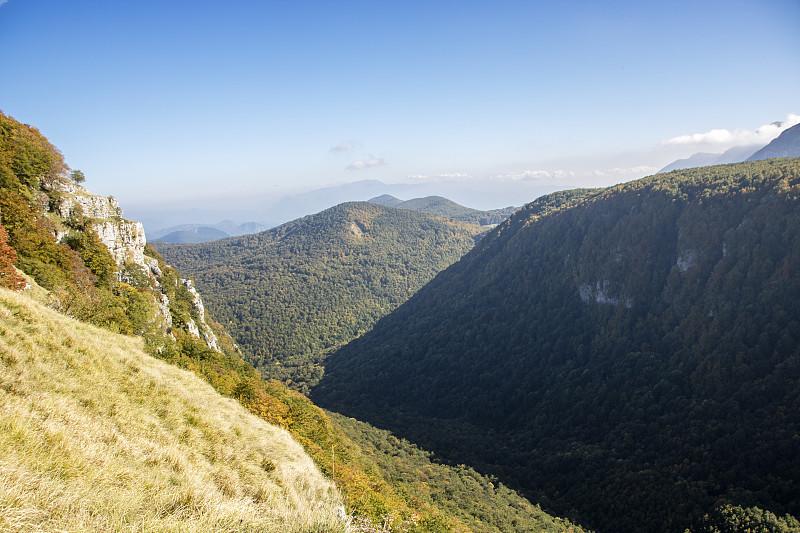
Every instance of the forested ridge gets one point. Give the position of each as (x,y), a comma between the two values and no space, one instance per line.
(437,205)
(629,356)
(291,294)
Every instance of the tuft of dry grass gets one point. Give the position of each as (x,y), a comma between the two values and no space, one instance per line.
(95,435)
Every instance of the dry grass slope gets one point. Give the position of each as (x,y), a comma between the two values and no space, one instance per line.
(95,435)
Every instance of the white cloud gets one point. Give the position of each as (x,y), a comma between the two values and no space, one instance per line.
(641,169)
(366,163)
(454,175)
(344,146)
(447,176)
(551,176)
(562,174)
(723,139)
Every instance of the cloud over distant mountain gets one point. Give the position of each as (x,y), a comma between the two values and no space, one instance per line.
(559,174)
(722,139)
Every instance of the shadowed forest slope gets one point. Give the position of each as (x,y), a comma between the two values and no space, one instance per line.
(630,357)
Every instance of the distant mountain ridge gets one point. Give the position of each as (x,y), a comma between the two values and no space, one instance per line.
(194,235)
(737,154)
(629,356)
(787,144)
(435,205)
(270,212)
(438,205)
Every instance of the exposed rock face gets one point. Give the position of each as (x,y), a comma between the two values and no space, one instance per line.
(600,293)
(90,205)
(69,197)
(192,327)
(356,229)
(152,264)
(125,240)
(204,330)
(163,308)
(686,260)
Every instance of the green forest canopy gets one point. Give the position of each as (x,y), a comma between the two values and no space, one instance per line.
(292,294)
(627,356)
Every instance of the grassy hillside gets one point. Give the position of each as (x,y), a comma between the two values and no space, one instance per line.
(95,435)
(629,356)
(290,295)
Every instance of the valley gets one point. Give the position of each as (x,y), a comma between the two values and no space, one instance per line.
(113,373)
(626,355)
(622,356)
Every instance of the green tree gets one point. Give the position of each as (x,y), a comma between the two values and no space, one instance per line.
(77,176)
(727,518)
(95,254)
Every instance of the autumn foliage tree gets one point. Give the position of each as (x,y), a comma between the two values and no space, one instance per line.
(9,278)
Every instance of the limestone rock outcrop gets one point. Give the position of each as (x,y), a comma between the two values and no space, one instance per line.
(203,330)
(125,239)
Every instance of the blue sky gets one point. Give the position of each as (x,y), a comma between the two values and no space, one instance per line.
(203,103)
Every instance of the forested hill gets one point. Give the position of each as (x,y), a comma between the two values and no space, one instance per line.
(631,355)
(291,294)
(437,205)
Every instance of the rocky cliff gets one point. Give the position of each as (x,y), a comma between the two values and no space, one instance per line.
(66,201)
(125,239)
